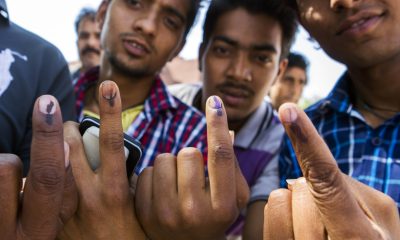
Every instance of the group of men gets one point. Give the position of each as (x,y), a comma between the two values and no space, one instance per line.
(244,51)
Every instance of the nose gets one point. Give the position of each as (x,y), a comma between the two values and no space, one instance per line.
(338,5)
(240,69)
(94,41)
(147,24)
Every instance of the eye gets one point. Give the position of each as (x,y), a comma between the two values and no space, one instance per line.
(221,51)
(134,3)
(262,58)
(171,22)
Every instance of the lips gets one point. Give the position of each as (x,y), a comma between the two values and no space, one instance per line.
(136,47)
(360,22)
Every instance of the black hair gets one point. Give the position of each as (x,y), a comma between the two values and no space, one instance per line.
(192,15)
(275,9)
(298,60)
(85,12)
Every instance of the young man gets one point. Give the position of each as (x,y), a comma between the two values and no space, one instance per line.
(88,42)
(243,52)
(290,86)
(137,39)
(360,119)
(29,67)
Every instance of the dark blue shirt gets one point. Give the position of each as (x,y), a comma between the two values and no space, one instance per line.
(29,68)
(370,155)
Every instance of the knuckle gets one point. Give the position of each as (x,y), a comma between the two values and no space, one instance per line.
(169,220)
(191,214)
(113,140)
(10,166)
(223,152)
(226,214)
(48,178)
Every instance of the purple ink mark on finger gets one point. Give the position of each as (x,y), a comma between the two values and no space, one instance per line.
(49,113)
(298,132)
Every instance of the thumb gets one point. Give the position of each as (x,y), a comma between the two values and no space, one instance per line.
(331,193)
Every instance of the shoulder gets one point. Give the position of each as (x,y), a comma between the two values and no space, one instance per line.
(31,45)
(185,92)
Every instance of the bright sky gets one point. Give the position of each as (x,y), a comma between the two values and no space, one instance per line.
(54,21)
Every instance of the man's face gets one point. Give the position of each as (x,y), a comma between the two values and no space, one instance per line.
(289,87)
(241,60)
(140,36)
(359,33)
(89,43)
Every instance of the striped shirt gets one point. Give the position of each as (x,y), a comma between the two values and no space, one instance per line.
(166,125)
(372,156)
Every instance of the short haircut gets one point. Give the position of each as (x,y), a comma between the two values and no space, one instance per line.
(85,12)
(192,15)
(275,9)
(298,60)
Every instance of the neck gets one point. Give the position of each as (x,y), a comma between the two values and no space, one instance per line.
(134,90)
(378,88)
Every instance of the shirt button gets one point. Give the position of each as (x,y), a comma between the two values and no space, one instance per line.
(376,141)
(3,13)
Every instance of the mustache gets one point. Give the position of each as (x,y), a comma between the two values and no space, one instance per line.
(236,85)
(90,49)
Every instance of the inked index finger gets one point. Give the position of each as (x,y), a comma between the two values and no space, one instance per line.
(221,157)
(111,134)
(329,189)
(45,182)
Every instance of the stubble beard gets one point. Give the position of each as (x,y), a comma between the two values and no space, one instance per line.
(123,68)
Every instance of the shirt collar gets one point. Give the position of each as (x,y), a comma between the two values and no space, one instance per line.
(158,100)
(339,98)
(3,10)
(251,128)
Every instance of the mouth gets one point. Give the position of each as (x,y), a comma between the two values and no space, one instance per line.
(136,48)
(360,23)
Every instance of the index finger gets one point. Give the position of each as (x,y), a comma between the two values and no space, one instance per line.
(45,182)
(111,134)
(221,157)
(329,189)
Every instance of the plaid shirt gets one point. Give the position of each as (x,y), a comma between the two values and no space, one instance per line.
(166,125)
(372,156)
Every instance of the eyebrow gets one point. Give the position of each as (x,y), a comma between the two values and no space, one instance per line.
(257,47)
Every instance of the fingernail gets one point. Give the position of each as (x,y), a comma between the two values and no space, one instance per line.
(47,106)
(215,103)
(232,134)
(66,154)
(290,182)
(288,114)
(109,92)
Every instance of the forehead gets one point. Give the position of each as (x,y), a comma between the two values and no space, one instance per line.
(182,6)
(88,25)
(297,71)
(248,28)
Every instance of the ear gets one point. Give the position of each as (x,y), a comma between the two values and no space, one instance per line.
(282,68)
(202,49)
(101,13)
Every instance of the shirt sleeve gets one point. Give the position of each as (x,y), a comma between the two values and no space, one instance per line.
(288,165)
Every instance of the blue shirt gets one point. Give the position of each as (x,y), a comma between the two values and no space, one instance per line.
(370,155)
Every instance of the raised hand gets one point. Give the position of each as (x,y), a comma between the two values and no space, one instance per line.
(325,202)
(106,204)
(40,211)
(174,199)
